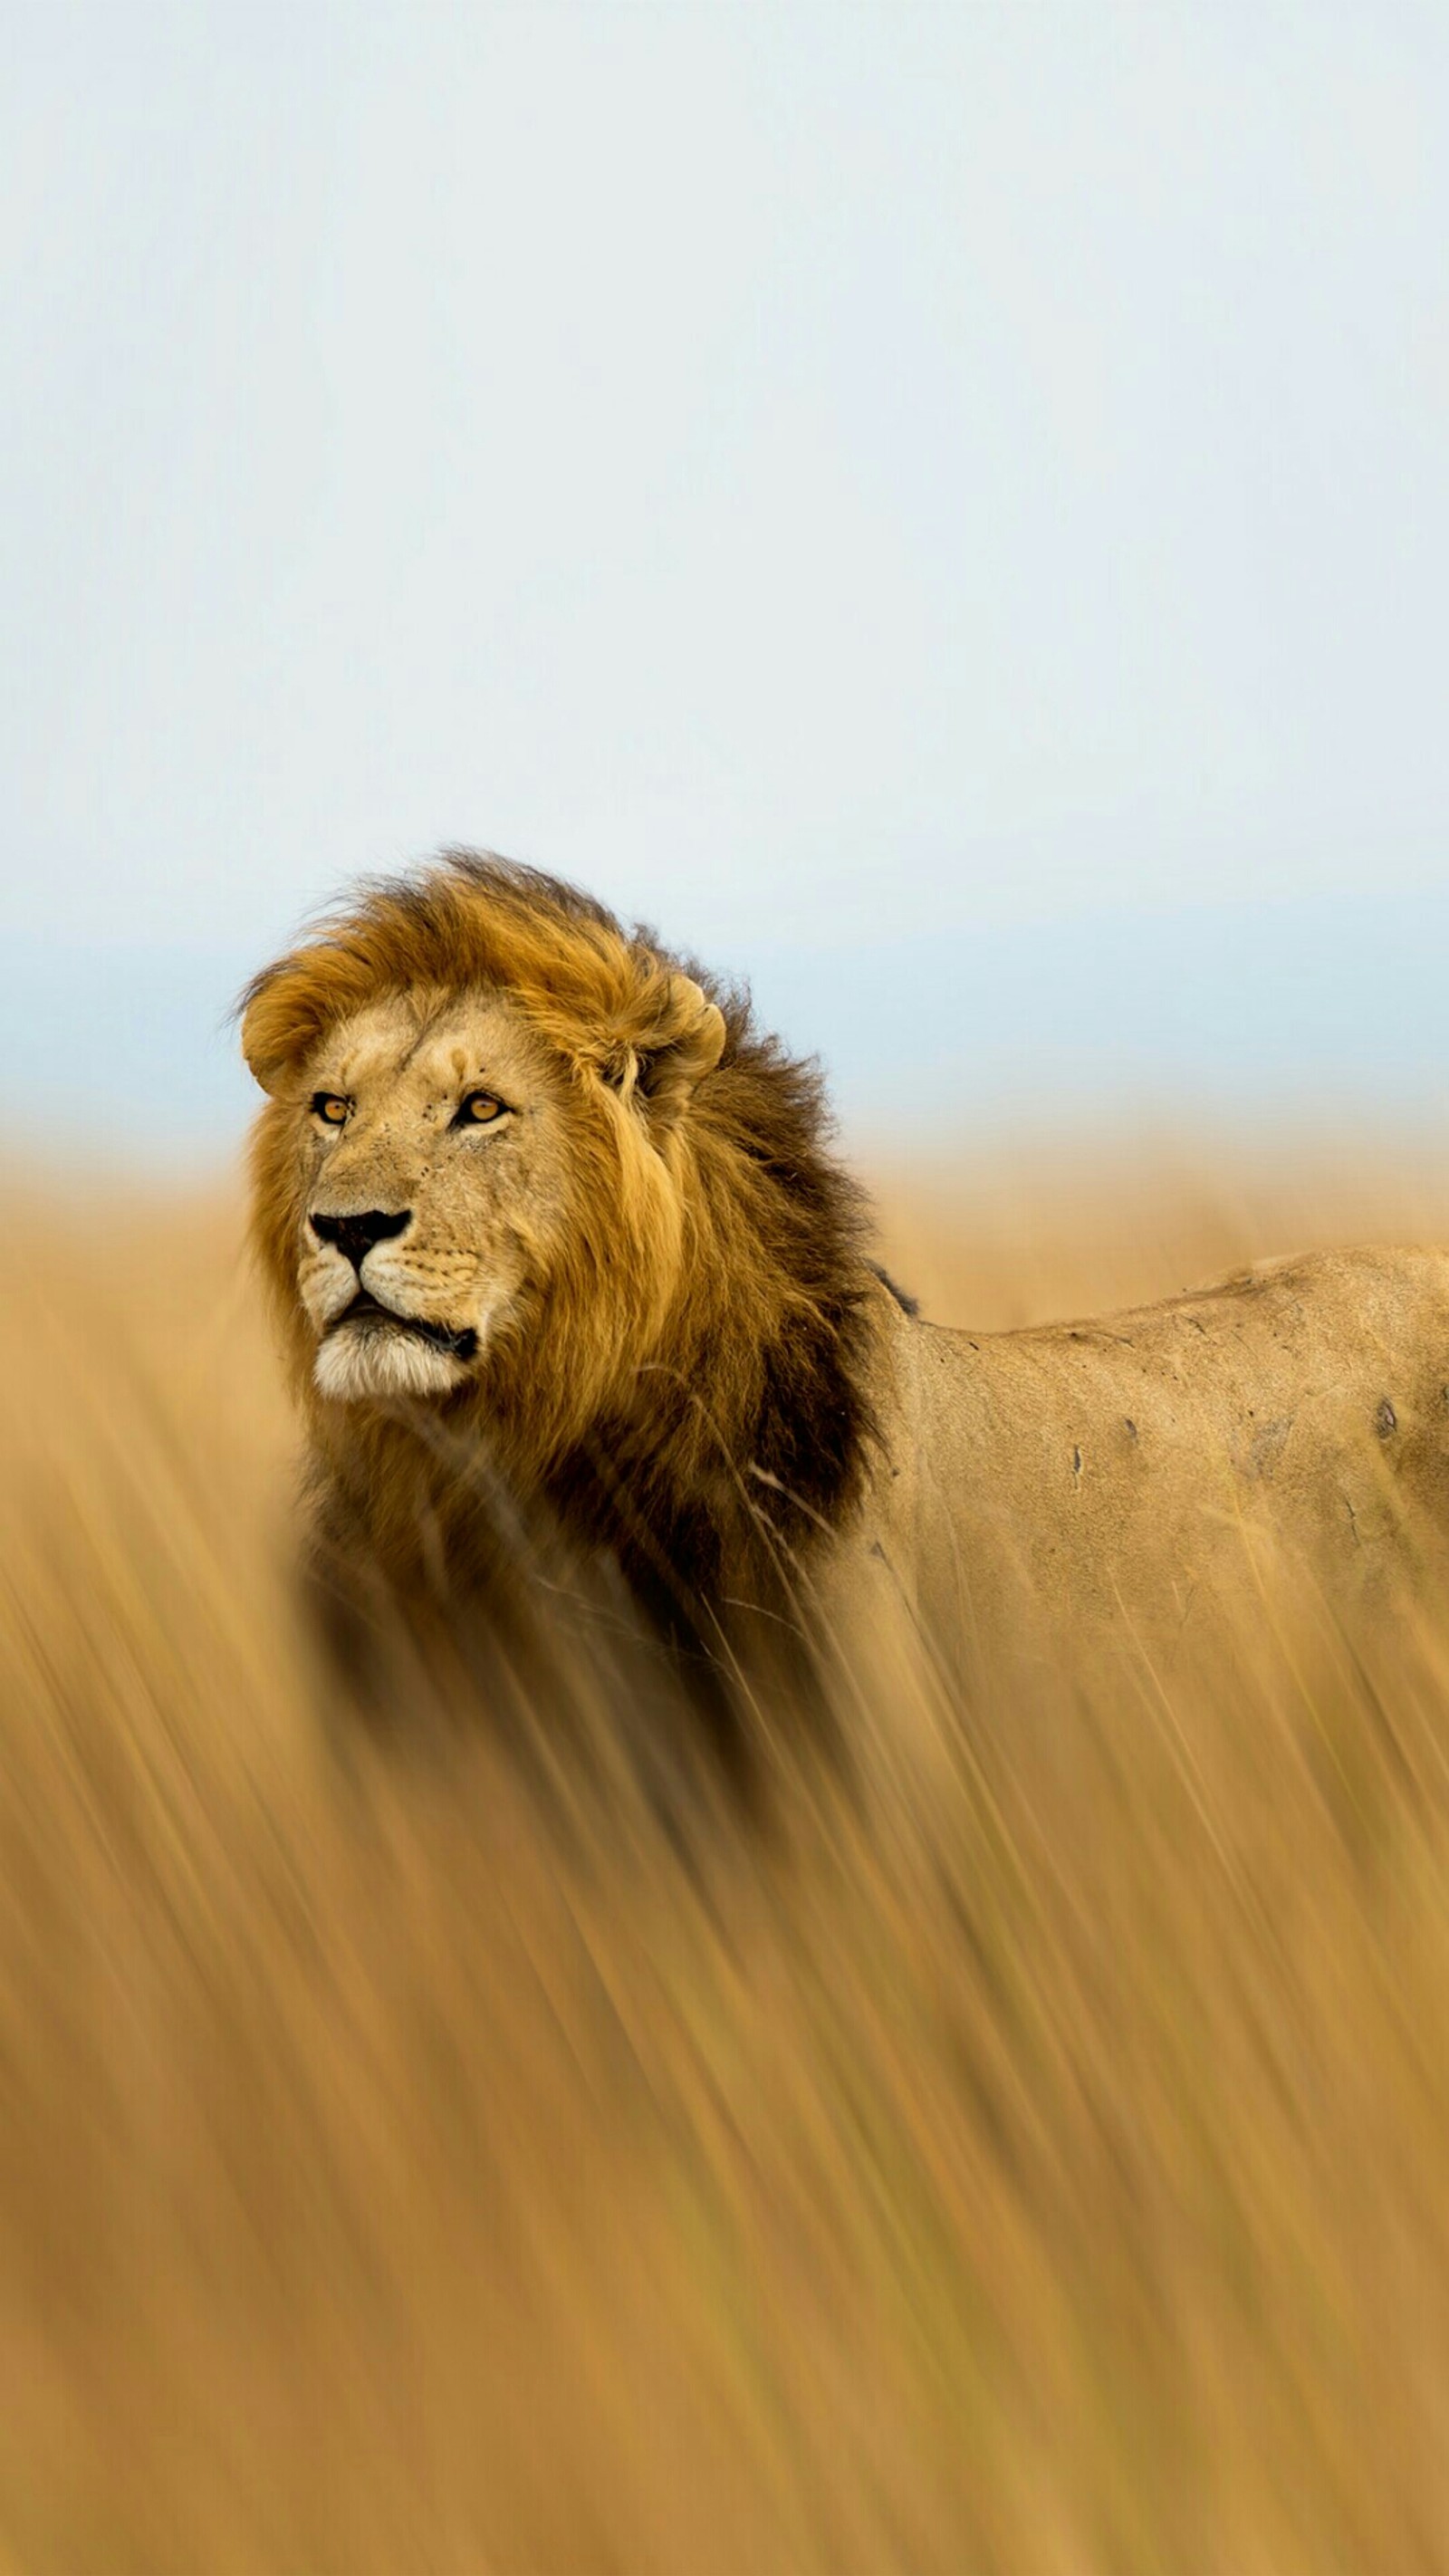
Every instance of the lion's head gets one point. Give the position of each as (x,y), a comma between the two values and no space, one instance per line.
(524,1171)
(468,1167)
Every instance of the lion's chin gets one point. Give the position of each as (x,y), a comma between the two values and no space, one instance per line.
(369,1359)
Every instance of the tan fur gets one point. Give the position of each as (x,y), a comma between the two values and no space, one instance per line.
(1146,1474)
(667,1340)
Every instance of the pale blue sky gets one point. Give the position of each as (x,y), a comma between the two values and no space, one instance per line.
(964,486)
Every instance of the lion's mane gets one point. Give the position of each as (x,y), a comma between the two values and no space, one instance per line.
(702,1421)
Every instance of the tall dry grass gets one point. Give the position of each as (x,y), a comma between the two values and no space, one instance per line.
(421,2152)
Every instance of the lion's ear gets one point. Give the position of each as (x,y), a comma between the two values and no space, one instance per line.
(677,1044)
(670,1069)
(277,1027)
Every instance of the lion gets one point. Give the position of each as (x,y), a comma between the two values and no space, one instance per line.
(547,1217)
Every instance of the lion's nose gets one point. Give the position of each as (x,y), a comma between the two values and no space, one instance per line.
(355,1236)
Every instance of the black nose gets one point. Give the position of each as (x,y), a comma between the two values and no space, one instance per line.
(355,1236)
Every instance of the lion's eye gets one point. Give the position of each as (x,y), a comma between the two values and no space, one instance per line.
(479,1109)
(330,1108)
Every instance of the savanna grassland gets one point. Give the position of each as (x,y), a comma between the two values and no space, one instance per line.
(434,2150)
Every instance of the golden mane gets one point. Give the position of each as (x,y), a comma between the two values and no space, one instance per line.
(694,1402)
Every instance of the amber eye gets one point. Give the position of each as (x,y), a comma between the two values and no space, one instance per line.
(478,1109)
(330,1108)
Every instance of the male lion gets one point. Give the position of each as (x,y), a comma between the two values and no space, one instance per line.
(546,1216)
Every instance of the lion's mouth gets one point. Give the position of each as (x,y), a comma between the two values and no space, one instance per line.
(367,1309)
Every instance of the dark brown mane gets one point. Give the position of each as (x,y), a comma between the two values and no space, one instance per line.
(755,1441)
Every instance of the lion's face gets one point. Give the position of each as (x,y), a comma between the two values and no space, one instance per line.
(435,1180)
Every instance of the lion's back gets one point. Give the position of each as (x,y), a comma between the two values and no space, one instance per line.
(1134,1457)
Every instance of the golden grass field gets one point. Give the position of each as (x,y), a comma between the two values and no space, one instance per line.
(419,2153)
